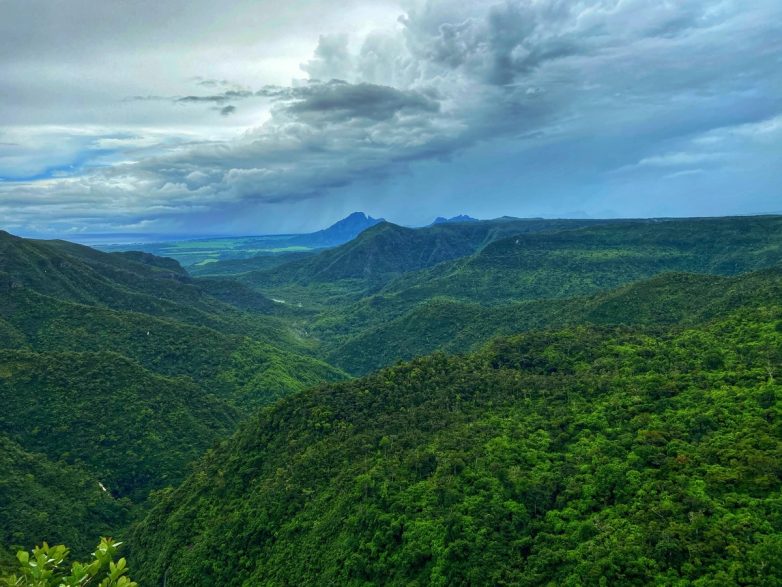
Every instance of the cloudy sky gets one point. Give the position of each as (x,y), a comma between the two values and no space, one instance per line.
(256,116)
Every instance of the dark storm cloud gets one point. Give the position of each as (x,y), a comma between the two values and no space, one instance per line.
(332,101)
(511,39)
(212,83)
(226,110)
(340,101)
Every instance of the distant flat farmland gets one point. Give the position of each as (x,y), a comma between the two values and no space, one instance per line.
(199,252)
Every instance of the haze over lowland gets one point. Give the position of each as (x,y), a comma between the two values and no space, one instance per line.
(175,118)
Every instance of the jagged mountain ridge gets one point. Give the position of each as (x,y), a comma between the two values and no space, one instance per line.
(338,233)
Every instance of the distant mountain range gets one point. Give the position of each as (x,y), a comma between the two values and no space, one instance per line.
(382,252)
(267,250)
(194,252)
(459,218)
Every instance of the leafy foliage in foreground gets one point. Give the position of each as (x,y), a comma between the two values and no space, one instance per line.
(46,568)
(584,456)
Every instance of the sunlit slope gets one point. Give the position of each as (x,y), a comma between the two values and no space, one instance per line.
(63,297)
(549,458)
(130,281)
(237,368)
(121,369)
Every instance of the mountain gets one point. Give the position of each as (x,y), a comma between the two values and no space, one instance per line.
(121,369)
(513,259)
(443,324)
(63,297)
(387,250)
(146,430)
(615,455)
(240,369)
(195,253)
(395,293)
(614,418)
(338,233)
(585,260)
(459,218)
(379,251)
(60,297)
(130,281)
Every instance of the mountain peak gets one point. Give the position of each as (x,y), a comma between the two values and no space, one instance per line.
(357,215)
(340,232)
(356,219)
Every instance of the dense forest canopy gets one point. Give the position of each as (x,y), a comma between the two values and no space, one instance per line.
(627,455)
(583,402)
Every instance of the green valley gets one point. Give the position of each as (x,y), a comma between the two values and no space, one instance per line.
(116,372)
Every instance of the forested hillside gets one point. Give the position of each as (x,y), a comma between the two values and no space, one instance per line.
(377,256)
(406,293)
(117,370)
(212,355)
(390,275)
(397,293)
(504,259)
(582,456)
(572,262)
(135,430)
(450,325)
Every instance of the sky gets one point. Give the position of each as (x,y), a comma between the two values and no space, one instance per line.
(190,117)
